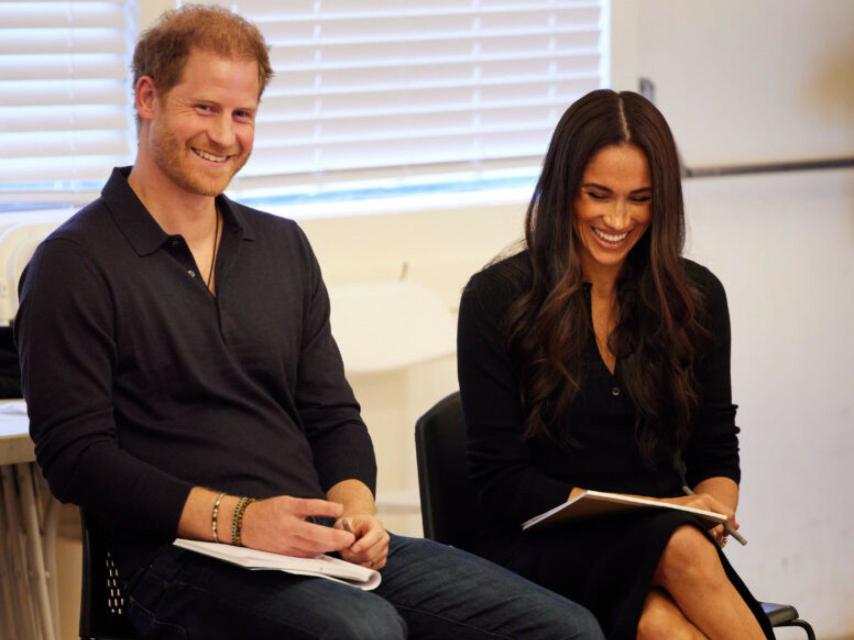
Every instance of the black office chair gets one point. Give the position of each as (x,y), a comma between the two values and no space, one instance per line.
(449,505)
(101,599)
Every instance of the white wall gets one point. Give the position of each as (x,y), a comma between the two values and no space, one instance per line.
(438,249)
(784,247)
(751,80)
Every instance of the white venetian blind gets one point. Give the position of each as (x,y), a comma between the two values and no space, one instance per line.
(390,92)
(65,115)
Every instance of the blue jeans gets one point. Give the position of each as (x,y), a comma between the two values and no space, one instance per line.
(428,591)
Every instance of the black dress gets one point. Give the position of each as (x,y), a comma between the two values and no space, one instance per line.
(605,564)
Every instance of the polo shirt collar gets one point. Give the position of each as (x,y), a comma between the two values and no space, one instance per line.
(140,227)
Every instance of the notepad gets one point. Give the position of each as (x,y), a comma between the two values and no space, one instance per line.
(322,566)
(591,504)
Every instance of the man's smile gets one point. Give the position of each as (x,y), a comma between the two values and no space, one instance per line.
(209,156)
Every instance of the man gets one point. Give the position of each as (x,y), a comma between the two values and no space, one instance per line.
(177,361)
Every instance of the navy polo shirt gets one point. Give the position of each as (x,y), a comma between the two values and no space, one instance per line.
(141,384)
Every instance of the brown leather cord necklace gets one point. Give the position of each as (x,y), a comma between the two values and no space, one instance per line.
(214,252)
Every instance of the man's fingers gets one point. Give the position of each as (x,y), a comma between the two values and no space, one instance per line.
(320,538)
(369,538)
(314,507)
(379,546)
(373,558)
(371,551)
(372,540)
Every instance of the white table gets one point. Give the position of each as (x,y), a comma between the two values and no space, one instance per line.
(29,517)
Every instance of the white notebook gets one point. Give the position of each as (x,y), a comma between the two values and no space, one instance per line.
(589,504)
(322,566)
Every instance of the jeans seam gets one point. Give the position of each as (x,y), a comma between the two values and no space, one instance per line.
(452,621)
(154,617)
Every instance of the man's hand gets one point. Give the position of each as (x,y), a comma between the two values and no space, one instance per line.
(371,547)
(279,525)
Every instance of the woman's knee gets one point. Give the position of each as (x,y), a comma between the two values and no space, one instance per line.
(689,557)
(660,618)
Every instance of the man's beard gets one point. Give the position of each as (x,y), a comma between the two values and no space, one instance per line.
(172,159)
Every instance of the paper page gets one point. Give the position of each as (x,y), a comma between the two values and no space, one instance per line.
(322,566)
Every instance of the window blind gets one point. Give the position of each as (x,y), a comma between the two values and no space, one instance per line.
(394,92)
(65,116)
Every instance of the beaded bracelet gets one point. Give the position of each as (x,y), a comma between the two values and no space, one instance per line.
(215,517)
(237,520)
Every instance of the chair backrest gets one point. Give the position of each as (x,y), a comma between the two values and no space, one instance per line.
(450,510)
(101,600)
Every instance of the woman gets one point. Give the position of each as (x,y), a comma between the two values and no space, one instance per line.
(598,358)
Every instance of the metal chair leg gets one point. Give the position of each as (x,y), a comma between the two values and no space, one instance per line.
(803,624)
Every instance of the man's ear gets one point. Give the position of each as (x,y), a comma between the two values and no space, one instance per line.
(145,97)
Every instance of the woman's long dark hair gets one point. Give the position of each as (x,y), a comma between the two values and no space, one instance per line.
(657,332)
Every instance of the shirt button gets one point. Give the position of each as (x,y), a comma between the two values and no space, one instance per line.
(191,273)
(615,391)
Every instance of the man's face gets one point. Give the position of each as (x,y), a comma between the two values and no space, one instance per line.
(203,127)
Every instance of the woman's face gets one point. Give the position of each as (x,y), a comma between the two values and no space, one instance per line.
(613,206)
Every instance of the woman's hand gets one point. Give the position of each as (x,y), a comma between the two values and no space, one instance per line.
(707,502)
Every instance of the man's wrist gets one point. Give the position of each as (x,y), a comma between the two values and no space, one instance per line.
(237,520)
(225,518)
(215,516)
(352,511)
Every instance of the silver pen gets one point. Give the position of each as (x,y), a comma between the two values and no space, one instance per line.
(682,470)
(729,528)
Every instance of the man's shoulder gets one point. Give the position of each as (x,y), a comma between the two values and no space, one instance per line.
(85,230)
(265,222)
(75,252)
(280,232)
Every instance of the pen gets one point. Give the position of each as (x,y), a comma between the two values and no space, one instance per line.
(729,528)
(682,470)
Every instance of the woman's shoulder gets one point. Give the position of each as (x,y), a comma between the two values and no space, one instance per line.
(501,281)
(711,291)
(702,277)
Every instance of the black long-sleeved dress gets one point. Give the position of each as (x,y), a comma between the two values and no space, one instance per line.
(605,564)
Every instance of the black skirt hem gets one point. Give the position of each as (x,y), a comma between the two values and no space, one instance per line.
(606,564)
